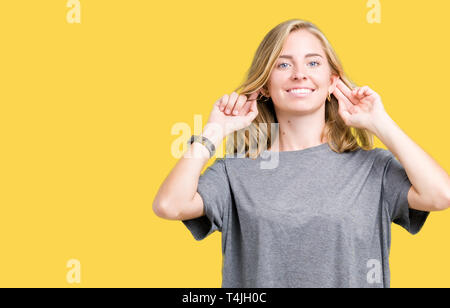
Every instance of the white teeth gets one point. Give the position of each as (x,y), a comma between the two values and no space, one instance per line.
(301,91)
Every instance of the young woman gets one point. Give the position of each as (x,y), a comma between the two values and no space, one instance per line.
(321,216)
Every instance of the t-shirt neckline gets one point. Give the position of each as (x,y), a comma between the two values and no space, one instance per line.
(323,146)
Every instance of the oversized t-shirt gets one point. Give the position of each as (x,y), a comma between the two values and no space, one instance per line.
(305,218)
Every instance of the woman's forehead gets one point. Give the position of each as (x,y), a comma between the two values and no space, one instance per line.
(302,42)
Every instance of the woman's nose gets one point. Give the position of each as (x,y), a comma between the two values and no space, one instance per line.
(298,74)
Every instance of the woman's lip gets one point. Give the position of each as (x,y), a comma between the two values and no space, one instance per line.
(300,94)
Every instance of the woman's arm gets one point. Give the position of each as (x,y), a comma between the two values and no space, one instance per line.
(177,198)
(177,195)
(430,189)
(362,108)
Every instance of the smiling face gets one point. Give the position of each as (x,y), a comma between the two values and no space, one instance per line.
(302,64)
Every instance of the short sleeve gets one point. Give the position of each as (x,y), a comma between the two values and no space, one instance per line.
(395,187)
(214,188)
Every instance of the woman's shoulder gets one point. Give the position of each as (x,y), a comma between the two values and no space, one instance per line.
(379,152)
(376,156)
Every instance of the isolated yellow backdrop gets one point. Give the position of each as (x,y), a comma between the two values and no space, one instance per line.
(87,110)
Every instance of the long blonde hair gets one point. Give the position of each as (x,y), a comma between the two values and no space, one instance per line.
(340,137)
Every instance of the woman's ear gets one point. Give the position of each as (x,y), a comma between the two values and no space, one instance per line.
(334,79)
(265,91)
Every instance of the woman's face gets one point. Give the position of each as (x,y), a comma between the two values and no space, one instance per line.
(302,64)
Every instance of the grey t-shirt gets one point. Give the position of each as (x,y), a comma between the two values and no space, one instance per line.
(306,218)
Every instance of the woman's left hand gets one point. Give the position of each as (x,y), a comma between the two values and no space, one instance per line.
(360,107)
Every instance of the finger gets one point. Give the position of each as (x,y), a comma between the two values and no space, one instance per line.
(368,91)
(355,92)
(223,102)
(254,95)
(361,91)
(239,103)
(342,98)
(251,104)
(253,111)
(346,91)
(248,104)
(345,115)
(246,107)
(231,102)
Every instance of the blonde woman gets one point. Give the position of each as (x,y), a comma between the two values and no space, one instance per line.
(321,216)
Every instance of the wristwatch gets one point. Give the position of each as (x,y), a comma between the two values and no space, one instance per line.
(205,141)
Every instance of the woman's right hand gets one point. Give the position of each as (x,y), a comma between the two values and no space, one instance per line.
(234,112)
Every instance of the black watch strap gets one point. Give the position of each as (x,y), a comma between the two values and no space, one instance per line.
(205,141)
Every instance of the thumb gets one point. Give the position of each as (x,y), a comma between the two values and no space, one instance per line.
(253,112)
(254,95)
(345,115)
(251,108)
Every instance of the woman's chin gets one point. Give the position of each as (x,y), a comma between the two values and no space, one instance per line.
(301,106)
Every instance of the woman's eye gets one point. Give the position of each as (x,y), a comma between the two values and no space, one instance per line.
(312,63)
(282,64)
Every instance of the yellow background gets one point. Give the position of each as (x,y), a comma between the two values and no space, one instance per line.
(87,111)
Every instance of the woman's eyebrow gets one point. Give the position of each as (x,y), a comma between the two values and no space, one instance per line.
(306,56)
